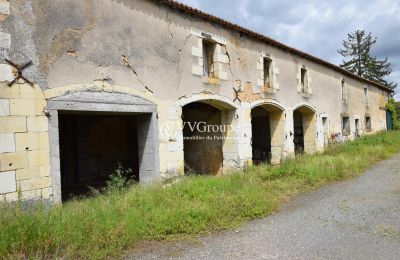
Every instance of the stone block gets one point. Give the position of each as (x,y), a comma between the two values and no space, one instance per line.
(7,143)
(40,105)
(13,161)
(44,142)
(44,171)
(7,182)
(22,107)
(26,141)
(31,195)
(34,184)
(31,92)
(27,173)
(198,52)
(39,158)
(221,58)
(46,193)
(37,124)
(12,124)
(197,70)
(9,92)
(4,107)
(10,197)
(44,182)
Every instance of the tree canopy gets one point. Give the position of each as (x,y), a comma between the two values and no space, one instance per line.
(358,59)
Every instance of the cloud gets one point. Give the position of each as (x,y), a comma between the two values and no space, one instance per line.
(317,26)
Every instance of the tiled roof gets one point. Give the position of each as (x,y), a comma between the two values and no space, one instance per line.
(240,29)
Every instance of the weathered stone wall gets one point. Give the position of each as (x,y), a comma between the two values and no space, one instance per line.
(153,52)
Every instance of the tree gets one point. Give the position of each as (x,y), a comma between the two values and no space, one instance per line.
(358,47)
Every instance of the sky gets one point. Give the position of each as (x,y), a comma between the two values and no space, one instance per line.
(317,26)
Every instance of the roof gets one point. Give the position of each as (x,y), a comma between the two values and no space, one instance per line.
(193,11)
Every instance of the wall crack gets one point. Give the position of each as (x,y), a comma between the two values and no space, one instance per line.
(178,68)
(125,61)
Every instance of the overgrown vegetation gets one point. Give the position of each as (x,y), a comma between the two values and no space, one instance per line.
(111,223)
(392,107)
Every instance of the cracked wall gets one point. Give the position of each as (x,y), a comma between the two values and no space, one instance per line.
(146,49)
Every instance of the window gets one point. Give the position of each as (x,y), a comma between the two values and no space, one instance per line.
(366,96)
(208,59)
(344,94)
(304,79)
(368,123)
(345,125)
(267,72)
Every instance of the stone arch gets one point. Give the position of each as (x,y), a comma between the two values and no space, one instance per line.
(267,102)
(88,105)
(268,131)
(219,151)
(306,105)
(217,101)
(304,128)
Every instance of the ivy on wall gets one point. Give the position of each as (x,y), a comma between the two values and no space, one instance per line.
(392,107)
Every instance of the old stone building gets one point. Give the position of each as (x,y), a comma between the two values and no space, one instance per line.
(113,81)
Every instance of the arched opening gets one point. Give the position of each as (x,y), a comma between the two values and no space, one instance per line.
(304,124)
(267,123)
(204,131)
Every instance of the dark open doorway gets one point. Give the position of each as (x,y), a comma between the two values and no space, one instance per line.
(267,125)
(202,142)
(261,135)
(298,138)
(92,146)
(304,130)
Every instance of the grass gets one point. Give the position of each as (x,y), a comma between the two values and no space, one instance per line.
(110,224)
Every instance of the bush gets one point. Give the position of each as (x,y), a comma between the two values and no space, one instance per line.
(120,179)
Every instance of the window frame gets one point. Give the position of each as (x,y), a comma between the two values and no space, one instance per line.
(344,90)
(208,51)
(304,79)
(346,127)
(366,95)
(267,72)
(368,123)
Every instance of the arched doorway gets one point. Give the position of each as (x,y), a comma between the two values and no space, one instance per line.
(267,123)
(205,128)
(304,130)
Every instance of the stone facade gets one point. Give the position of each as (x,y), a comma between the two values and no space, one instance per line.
(146,57)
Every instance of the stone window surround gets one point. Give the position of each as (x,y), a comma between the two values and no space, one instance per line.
(221,60)
(366,95)
(346,131)
(368,125)
(343,91)
(274,73)
(308,93)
